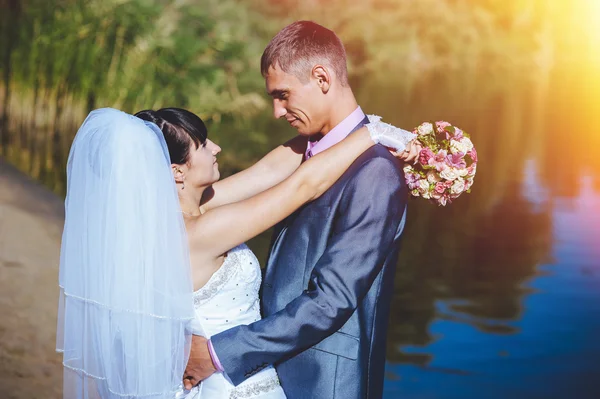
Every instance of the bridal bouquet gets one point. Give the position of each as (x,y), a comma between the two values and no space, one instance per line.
(446,165)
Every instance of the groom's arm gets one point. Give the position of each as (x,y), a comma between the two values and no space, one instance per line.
(371,209)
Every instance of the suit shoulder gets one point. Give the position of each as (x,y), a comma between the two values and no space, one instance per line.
(376,169)
(378,159)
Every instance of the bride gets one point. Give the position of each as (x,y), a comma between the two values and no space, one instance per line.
(152,249)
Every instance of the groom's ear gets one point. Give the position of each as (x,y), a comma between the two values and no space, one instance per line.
(322,77)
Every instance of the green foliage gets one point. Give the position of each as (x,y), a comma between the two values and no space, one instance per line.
(138,53)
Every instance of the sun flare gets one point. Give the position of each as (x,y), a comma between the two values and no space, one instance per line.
(592,9)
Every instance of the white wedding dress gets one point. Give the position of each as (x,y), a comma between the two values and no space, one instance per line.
(228,299)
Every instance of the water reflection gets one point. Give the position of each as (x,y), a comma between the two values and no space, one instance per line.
(497,296)
(552,348)
(476,263)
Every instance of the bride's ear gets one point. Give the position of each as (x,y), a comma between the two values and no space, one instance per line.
(178,174)
(323,78)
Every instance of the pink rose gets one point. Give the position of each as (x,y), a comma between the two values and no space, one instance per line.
(440,187)
(471,170)
(473,154)
(425,155)
(441,125)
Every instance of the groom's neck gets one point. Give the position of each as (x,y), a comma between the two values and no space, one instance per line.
(342,106)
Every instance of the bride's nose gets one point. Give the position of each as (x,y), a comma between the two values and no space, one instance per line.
(216,149)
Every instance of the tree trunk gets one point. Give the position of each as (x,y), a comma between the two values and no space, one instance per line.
(33,126)
(56,146)
(11,13)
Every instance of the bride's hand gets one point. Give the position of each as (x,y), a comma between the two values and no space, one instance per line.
(410,154)
(401,143)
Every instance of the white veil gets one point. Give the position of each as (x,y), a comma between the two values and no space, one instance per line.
(125,284)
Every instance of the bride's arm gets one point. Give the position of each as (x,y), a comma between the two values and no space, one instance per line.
(272,169)
(225,227)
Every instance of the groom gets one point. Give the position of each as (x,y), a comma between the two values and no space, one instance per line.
(329,279)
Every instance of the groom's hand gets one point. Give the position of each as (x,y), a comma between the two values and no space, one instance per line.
(200,366)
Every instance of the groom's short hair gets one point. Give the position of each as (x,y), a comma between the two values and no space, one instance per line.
(300,46)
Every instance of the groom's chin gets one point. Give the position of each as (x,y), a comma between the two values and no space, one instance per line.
(307,131)
(302,131)
(300,128)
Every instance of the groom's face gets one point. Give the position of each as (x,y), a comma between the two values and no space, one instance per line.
(301,104)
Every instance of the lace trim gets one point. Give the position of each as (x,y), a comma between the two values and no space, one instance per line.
(124,395)
(102,305)
(256,388)
(389,135)
(374,118)
(228,269)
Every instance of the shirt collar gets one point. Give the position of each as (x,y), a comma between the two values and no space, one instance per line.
(337,134)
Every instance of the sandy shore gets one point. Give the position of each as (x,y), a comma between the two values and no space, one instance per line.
(31,219)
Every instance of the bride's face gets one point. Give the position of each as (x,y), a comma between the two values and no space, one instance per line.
(202,167)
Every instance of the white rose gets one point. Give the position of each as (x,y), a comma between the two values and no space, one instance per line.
(458,186)
(462,172)
(425,128)
(408,169)
(468,183)
(423,185)
(467,143)
(449,174)
(457,146)
(433,177)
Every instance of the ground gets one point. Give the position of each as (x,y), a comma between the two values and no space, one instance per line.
(31,221)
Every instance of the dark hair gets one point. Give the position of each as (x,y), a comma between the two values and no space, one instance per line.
(180,128)
(299,46)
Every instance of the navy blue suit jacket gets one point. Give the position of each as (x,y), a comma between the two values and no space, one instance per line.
(327,289)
